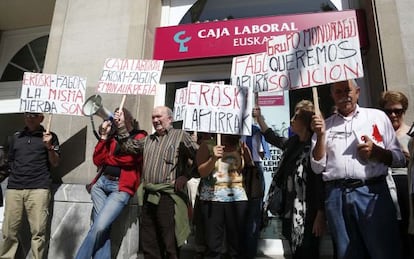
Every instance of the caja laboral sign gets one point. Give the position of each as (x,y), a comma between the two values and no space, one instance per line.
(240,36)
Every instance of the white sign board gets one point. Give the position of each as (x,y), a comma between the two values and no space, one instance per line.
(218,108)
(130,76)
(252,71)
(320,55)
(180,104)
(50,93)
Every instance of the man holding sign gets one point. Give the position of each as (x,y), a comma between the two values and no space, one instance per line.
(32,152)
(352,150)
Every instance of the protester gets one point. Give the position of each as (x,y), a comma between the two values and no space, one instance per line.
(31,153)
(395,104)
(259,149)
(302,210)
(352,150)
(118,180)
(223,199)
(166,153)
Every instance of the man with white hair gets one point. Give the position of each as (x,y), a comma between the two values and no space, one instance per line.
(353,149)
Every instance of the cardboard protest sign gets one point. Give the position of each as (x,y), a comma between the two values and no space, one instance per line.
(251,71)
(130,76)
(180,104)
(320,55)
(50,93)
(218,108)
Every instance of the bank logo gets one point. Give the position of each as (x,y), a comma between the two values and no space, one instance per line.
(181,41)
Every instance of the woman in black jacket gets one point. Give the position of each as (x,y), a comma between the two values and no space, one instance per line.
(302,210)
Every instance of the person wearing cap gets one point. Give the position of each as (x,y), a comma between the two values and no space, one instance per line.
(31,153)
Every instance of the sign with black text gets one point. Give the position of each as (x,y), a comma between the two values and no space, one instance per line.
(50,93)
(218,108)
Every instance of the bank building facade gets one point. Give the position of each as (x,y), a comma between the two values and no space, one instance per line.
(197,41)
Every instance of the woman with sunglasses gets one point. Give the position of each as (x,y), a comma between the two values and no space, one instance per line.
(395,104)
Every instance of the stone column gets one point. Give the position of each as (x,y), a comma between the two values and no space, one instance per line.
(83,34)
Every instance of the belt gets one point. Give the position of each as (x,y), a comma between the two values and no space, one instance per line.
(111,177)
(355,183)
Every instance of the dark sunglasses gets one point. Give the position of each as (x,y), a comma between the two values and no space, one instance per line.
(31,115)
(397,112)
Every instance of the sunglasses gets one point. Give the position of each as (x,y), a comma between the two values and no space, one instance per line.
(397,112)
(31,115)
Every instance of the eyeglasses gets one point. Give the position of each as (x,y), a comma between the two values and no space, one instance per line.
(397,112)
(31,115)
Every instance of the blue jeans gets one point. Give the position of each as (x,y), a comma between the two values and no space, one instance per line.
(108,203)
(363,221)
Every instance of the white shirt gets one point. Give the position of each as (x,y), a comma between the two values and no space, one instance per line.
(341,159)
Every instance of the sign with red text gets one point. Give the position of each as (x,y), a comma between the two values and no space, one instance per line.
(251,71)
(180,104)
(236,37)
(316,56)
(50,93)
(218,108)
(130,76)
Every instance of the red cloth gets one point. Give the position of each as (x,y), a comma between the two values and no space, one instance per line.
(131,165)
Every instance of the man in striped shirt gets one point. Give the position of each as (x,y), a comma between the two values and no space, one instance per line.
(166,152)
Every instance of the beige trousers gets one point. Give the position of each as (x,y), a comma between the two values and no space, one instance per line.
(36,204)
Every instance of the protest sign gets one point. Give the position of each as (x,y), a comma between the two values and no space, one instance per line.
(50,93)
(130,76)
(252,71)
(180,100)
(320,55)
(218,108)
(180,104)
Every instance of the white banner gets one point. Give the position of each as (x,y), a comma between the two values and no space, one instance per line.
(218,108)
(320,55)
(50,93)
(130,76)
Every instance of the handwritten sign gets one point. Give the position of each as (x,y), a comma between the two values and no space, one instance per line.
(320,55)
(252,71)
(50,93)
(180,104)
(218,108)
(130,76)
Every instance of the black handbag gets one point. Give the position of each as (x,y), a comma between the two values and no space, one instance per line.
(252,182)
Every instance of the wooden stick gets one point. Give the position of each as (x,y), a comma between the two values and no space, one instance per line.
(316,100)
(218,139)
(49,122)
(121,106)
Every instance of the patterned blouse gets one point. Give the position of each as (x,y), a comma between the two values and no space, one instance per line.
(225,183)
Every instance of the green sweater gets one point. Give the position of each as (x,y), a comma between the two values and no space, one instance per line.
(182,224)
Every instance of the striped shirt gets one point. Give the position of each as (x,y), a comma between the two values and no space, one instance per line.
(165,158)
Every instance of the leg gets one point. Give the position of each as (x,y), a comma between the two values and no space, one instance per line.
(166,224)
(13,213)
(98,195)
(340,223)
(213,216)
(97,242)
(235,222)
(148,231)
(401,182)
(37,209)
(377,219)
(252,227)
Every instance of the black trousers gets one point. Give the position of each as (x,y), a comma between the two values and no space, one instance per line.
(158,230)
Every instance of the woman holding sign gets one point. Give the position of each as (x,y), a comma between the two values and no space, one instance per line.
(223,199)
(301,209)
